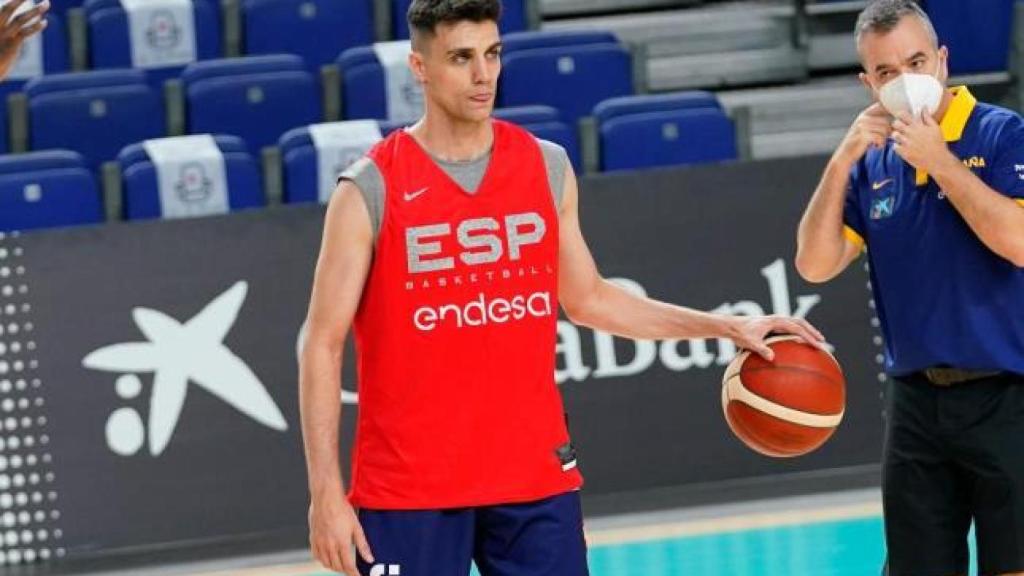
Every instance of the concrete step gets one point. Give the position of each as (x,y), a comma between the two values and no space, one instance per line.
(697,31)
(801,143)
(725,69)
(799,108)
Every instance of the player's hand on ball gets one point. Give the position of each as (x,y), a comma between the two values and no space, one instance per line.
(749,333)
(334,531)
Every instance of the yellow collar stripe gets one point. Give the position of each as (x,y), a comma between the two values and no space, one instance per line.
(954,122)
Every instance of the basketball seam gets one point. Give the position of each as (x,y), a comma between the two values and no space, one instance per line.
(746,396)
(773,452)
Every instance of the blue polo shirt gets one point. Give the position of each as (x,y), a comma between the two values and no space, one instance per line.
(943,298)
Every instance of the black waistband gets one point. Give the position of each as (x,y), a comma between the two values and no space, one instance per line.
(946,376)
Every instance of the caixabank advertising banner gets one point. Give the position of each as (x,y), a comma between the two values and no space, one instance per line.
(149,370)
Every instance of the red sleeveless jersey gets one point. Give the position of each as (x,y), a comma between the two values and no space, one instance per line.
(455,336)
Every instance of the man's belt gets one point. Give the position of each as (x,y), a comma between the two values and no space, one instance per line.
(952,376)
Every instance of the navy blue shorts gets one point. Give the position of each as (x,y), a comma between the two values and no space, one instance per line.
(542,538)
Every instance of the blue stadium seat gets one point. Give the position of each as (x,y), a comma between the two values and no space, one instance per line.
(521,115)
(110,43)
(141,200)
(545,122)
(364,94)
(301,166)
(94,113)
(316,30)
(557,38)
(55,45)
(976,32)
(664,130)
(257,98)
(299,154)
(364,84)
(626,105)
(47,189)
(301,170)
(62,6)
(389,126)
(571,71)
(513,19)
(136,153)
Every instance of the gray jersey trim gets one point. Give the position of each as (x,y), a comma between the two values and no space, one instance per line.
(365,174)
(556,160)
(370,182)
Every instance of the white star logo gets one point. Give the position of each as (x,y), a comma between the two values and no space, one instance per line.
(178,354)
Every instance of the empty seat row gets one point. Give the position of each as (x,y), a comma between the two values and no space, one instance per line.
(205,175)
(570,71)
(164,35)
(259,98)
(313,156)
(98,113)
(161,36)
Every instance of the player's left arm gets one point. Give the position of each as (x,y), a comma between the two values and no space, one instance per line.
(590,300)
(995,215)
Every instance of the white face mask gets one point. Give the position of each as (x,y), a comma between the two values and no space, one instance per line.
(912,93)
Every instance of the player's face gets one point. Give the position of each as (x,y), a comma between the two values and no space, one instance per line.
(909,47)
(459,69)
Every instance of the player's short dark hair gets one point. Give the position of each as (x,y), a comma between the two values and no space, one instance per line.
(882,16)
(425,15)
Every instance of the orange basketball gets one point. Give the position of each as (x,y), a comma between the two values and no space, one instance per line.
(787,407)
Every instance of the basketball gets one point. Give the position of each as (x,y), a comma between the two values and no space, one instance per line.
(788,407)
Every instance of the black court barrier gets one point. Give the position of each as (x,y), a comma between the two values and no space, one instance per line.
(148,375)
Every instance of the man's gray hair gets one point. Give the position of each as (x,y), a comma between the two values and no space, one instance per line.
(882,16)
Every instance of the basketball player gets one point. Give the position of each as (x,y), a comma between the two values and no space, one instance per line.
(449,248)
(932,182)
(14,30)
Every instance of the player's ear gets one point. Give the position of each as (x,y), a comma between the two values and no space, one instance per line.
(418,66)
(943,67)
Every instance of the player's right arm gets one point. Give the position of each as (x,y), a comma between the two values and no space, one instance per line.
(341,271)
(824,249)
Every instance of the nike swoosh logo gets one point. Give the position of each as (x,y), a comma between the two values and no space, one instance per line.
(409,196)
(882,184)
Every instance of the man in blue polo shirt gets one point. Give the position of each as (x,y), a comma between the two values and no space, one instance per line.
(931,183)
